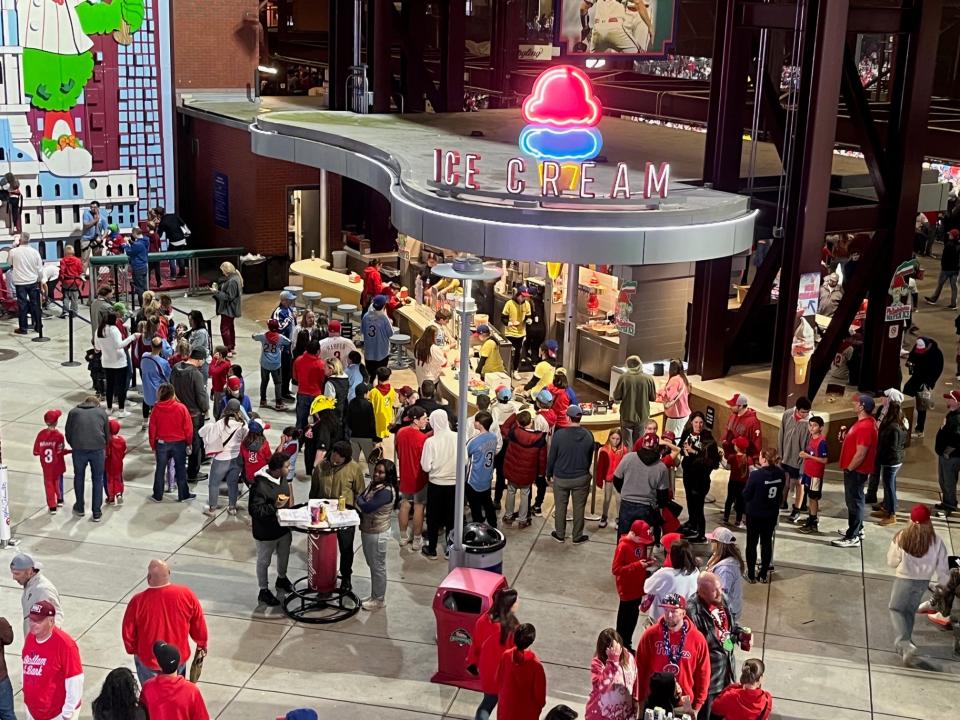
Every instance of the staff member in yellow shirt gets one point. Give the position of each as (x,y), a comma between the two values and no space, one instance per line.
(516,316)
(490,359)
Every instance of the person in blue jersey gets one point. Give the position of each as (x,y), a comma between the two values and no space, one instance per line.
(481,452)
(286,315)
(377,331)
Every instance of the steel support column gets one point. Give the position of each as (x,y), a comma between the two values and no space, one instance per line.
(909,112)
(728,95)
(341,51)
(380,15)
(824,28)
(453,15)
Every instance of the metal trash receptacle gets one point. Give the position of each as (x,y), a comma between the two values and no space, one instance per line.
(254,274)
(483,547)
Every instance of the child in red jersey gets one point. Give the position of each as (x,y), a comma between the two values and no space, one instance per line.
(50,447)
(219,371)
(255,450)
(113,467)
(739,472)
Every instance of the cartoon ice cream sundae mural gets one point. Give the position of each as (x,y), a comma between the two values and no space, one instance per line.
(58,63)
(561,115)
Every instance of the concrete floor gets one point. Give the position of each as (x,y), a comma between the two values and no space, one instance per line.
(821,626)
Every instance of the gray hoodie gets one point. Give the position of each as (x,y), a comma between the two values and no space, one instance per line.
(792,438)
(88,427)
(191,388)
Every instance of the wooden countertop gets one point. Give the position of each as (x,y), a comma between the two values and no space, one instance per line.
(316,277)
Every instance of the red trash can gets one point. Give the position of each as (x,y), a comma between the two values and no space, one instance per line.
(461,598)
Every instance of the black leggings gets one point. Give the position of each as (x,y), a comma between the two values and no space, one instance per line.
(146,410)
(627,616)
(481,506)
(517,343)
(760,529)
(696,520)
(116,387)
(734,500)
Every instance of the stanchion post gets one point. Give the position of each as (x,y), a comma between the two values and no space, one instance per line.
(70,362)
(40,336)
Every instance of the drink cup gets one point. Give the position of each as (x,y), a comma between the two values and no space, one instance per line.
(746,639)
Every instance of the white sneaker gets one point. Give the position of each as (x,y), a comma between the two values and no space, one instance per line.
(908,651)
(371,603)
(417,544)
(210,512)
(123,414)
(404,540)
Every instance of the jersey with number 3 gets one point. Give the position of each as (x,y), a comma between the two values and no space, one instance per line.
(481,451)
(49,447)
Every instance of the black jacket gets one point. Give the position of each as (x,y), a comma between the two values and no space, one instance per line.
(360,419)
(722,662)
(757,495)
(891,441)
(950,259)
(927,367)
(571,453)
(263,506)
(191,388)
(947,441)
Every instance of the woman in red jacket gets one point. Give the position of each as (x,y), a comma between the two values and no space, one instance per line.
(170,432)
(745,700)
(492,636)
(521,681)
(372,282)
(611,453)
(524,461)
(630,562)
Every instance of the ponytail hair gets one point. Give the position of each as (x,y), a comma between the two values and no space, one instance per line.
(752,671)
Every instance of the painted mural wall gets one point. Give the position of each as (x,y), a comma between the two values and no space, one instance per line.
(85,111)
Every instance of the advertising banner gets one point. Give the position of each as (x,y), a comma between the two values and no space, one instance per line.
(624,27)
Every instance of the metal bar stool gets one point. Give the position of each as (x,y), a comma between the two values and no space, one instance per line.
(399,359)
(329,304)
(347,311)
(310,298)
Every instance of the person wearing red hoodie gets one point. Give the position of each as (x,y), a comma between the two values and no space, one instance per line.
(521,681)
(743,423)
(219,370)
(630,562)
(71,280)
(169,695)
(609,457)
(372,282)
(525,461)
(674,645)
(745,700)
(162,612)
(492,637)
(310,372)
(170,432)
(113,466)
(561,400)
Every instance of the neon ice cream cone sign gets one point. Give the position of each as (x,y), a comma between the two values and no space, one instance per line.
(561,135)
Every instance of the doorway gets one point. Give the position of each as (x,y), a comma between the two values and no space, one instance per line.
(304,223)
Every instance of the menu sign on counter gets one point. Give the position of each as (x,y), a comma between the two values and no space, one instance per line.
(625,309)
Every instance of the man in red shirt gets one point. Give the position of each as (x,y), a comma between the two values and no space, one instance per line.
(52,671)
(744,423)
(858,456)
(521,681)
(50,447)
(169,695)
(163,611)
(310,372)
(413,480)
(674,645)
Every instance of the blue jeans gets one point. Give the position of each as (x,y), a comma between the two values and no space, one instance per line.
(487,704)
(265,377)
(947,472)
(888,474)
(95,459)
(630,511)
(853,485)
(139,278)
(6,700)
(221,470)
(28,302)
(303,410)
(177,451)
(905,596)
(144,673)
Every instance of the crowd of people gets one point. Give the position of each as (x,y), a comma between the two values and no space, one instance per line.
(689,611)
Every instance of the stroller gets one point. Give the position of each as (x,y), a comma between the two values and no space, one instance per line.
(8,297)
(97,374)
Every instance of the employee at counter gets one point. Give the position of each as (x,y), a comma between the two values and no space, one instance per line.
(544,370)
(490,359)
(517,314)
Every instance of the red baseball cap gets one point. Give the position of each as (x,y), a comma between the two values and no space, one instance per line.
(920,514)
(334,326)
(273,325)
(953,395)
(738,400)
(673,600)
(42,610)
(741,443)
(233,382)
(641,529)
(51,416)
(667,541)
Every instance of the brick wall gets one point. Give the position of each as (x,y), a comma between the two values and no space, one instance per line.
(257,188)
(213,45)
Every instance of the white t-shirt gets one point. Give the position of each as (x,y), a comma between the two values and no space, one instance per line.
(50,272)
(338,347)
(26,264)
(665,581)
